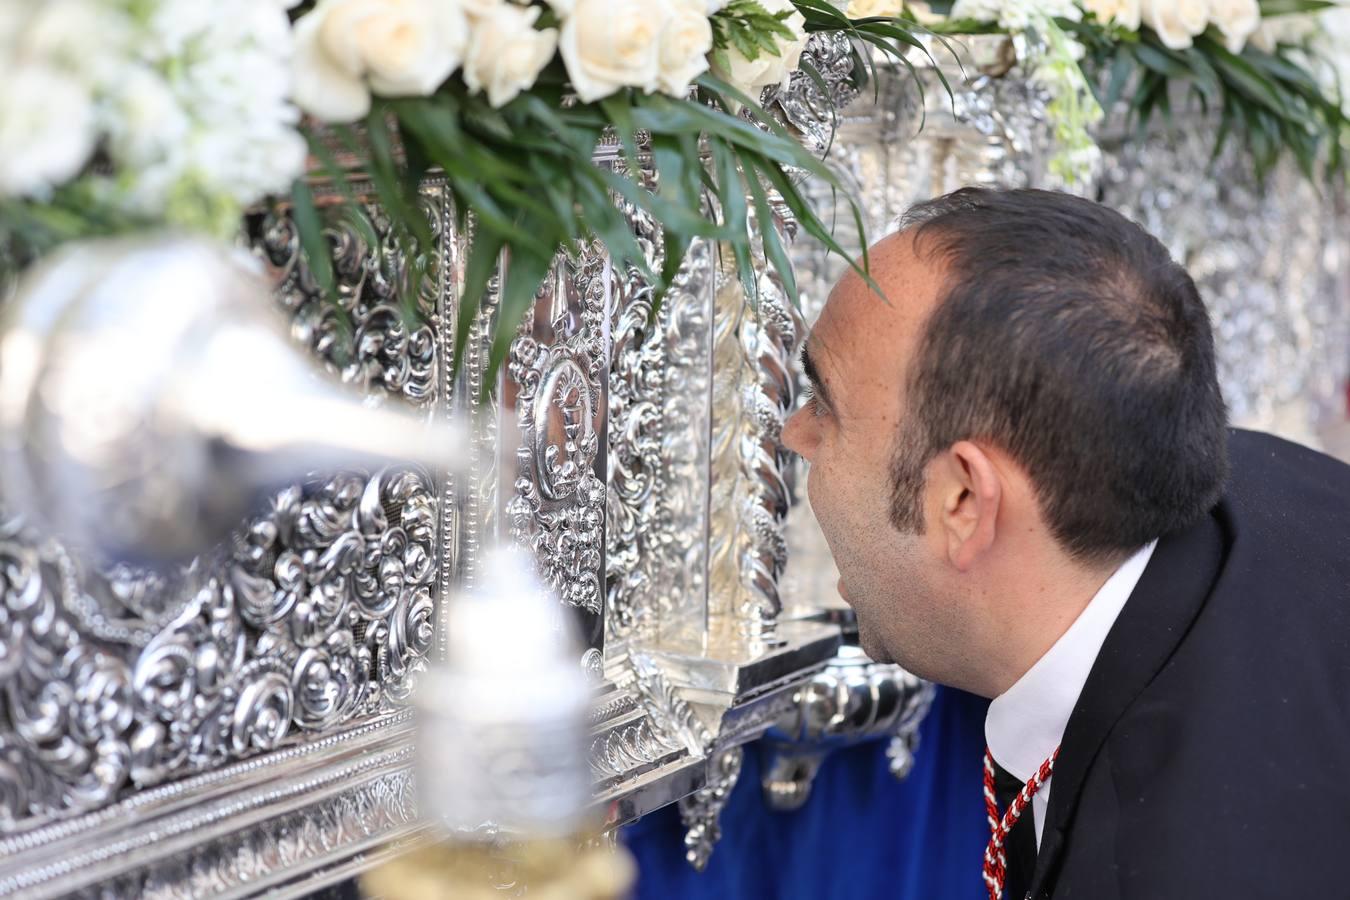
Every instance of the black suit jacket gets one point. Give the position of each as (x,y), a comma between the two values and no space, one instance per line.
(1209,753)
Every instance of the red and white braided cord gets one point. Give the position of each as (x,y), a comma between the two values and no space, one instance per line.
(995,856)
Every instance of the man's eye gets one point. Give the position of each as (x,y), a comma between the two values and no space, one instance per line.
(813,402)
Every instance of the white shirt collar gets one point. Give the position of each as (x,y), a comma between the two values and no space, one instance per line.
(1026,722)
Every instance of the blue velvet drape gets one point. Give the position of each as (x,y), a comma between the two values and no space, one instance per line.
(861,835)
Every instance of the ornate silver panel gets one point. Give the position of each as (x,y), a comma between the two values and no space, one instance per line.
(659,385)
(556,381)
(317,615)
(701,811)
(373,336)
(234,831)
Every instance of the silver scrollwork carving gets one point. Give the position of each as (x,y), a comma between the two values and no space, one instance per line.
(852,700)
(558,365)
(321,612)
(701,811)
(368,336)
(811,106)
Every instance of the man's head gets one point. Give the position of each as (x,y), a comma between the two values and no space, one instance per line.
(1034,399)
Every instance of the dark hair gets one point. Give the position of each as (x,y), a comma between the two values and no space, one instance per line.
(1068,337)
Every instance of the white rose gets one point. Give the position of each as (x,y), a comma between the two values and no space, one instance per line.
(1177,22)
(323,88)
(1125,13)
(476,9)
(506,54)
(866,9)
(611,44)
(1288,29)
(1236,21)
(752,75)
(924,14)
(978,10)
(407,47)
(686,41)
(399,47)
(46,130)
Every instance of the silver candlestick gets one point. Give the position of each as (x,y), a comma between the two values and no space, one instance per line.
(150,395)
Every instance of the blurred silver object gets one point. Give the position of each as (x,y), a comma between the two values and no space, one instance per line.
(502,736)
(150,395)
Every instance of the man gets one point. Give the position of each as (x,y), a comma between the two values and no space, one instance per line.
(1020,460)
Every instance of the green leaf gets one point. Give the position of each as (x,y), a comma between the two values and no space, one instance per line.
(768,236)
(1160,61)
(1288,7)
(676,248)
(789,192)
(1242,76)
(1121,67)
(312,241)
(731,192)
(331,167)
(743,40)
(391,188)
(808,220)
(489,213)
(749,28)
(1151,86)
(668,213)
(618,108)
(605,221)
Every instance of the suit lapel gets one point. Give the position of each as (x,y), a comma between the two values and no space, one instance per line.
(1158,614)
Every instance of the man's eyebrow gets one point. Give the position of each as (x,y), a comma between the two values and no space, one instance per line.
(813,375)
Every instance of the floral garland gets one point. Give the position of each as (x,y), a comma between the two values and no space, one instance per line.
(1276,71)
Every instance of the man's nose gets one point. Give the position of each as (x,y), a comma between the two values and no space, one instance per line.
(796,433)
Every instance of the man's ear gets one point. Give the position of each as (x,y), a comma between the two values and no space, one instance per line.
(970,492)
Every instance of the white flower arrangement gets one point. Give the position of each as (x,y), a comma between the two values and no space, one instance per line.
(346,48)
(161,110)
